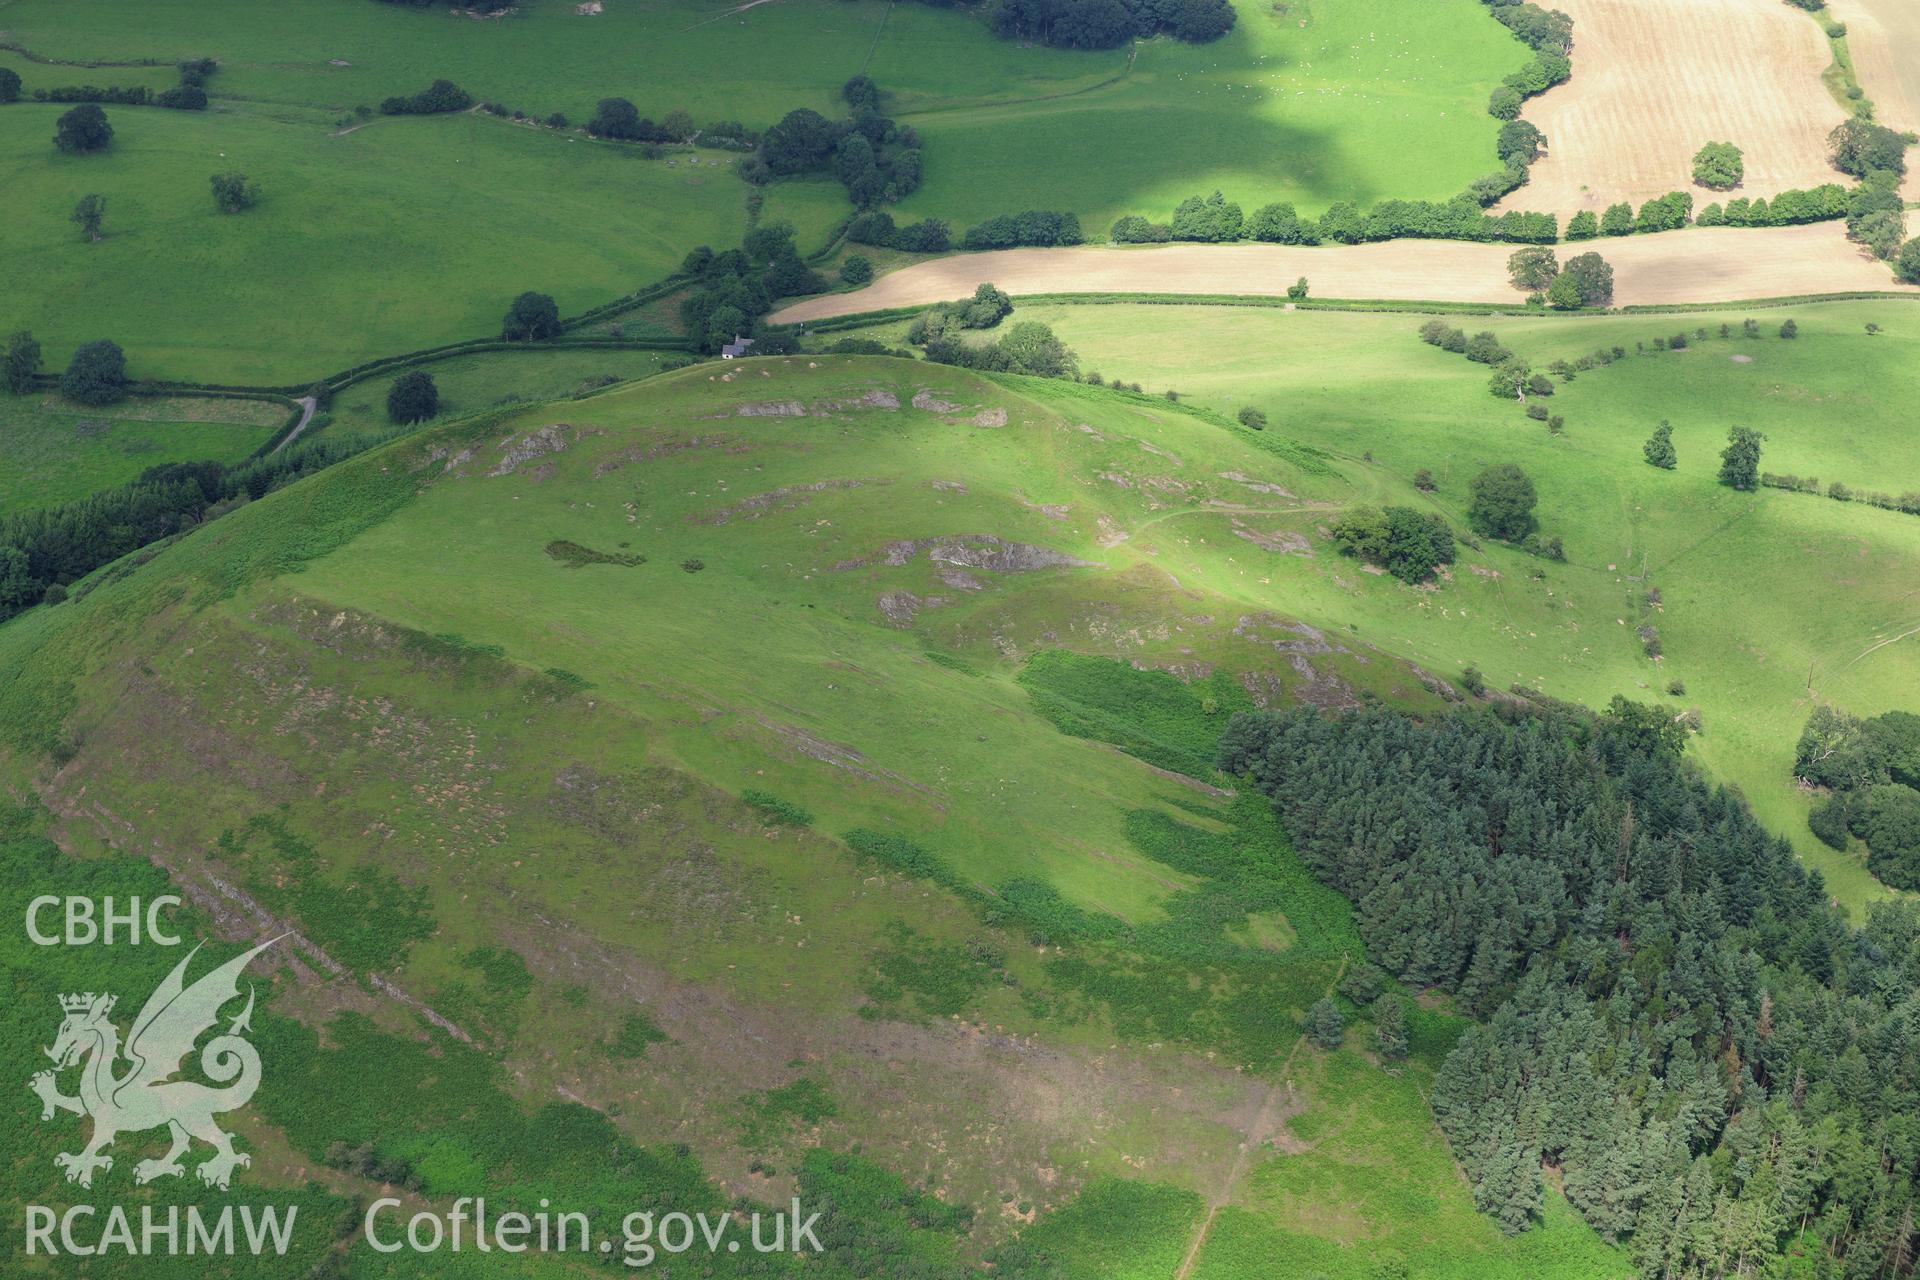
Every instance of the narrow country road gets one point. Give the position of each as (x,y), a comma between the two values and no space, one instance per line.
(308,404)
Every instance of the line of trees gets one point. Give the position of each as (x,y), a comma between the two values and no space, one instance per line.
(437,98)
(1673,211)
(1790,208)
(1907,503)
(1034,227)
(1549,33)
(1215,219)
(619,120)
(189,95)
(877,228)
(1513,380)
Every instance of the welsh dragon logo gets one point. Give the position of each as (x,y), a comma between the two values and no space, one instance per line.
(144,1095)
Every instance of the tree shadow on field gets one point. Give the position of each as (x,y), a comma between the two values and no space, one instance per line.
(1187,119)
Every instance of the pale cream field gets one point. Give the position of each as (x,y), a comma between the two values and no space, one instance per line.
(1654,80)
(1695,265)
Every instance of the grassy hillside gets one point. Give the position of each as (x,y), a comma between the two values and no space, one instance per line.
(1770,602)
(56,451)
(792,699)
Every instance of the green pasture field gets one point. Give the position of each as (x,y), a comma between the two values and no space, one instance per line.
(753,67)
(1762,593)
(1313,101)
(492,380)
(52,451)
(424,710)
(1310,102)
(406,233)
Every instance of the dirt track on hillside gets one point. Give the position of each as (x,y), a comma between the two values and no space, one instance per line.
(1653,80)
(1695,265)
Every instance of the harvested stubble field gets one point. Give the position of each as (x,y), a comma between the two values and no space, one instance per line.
(1654,80)
(1698,265)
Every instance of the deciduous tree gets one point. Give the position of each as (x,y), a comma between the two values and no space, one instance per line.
(533,317)
(1501,503)
(88,214)
(1592,275)
(414,397)
(1740,460)
(1533,268)
(96,375)
(82,129)
(234,192)
(1719,166)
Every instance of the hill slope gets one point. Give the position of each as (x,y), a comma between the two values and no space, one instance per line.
(435,710)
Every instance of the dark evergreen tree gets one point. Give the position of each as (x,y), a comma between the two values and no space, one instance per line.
(1390,1027)
(1325,1025)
